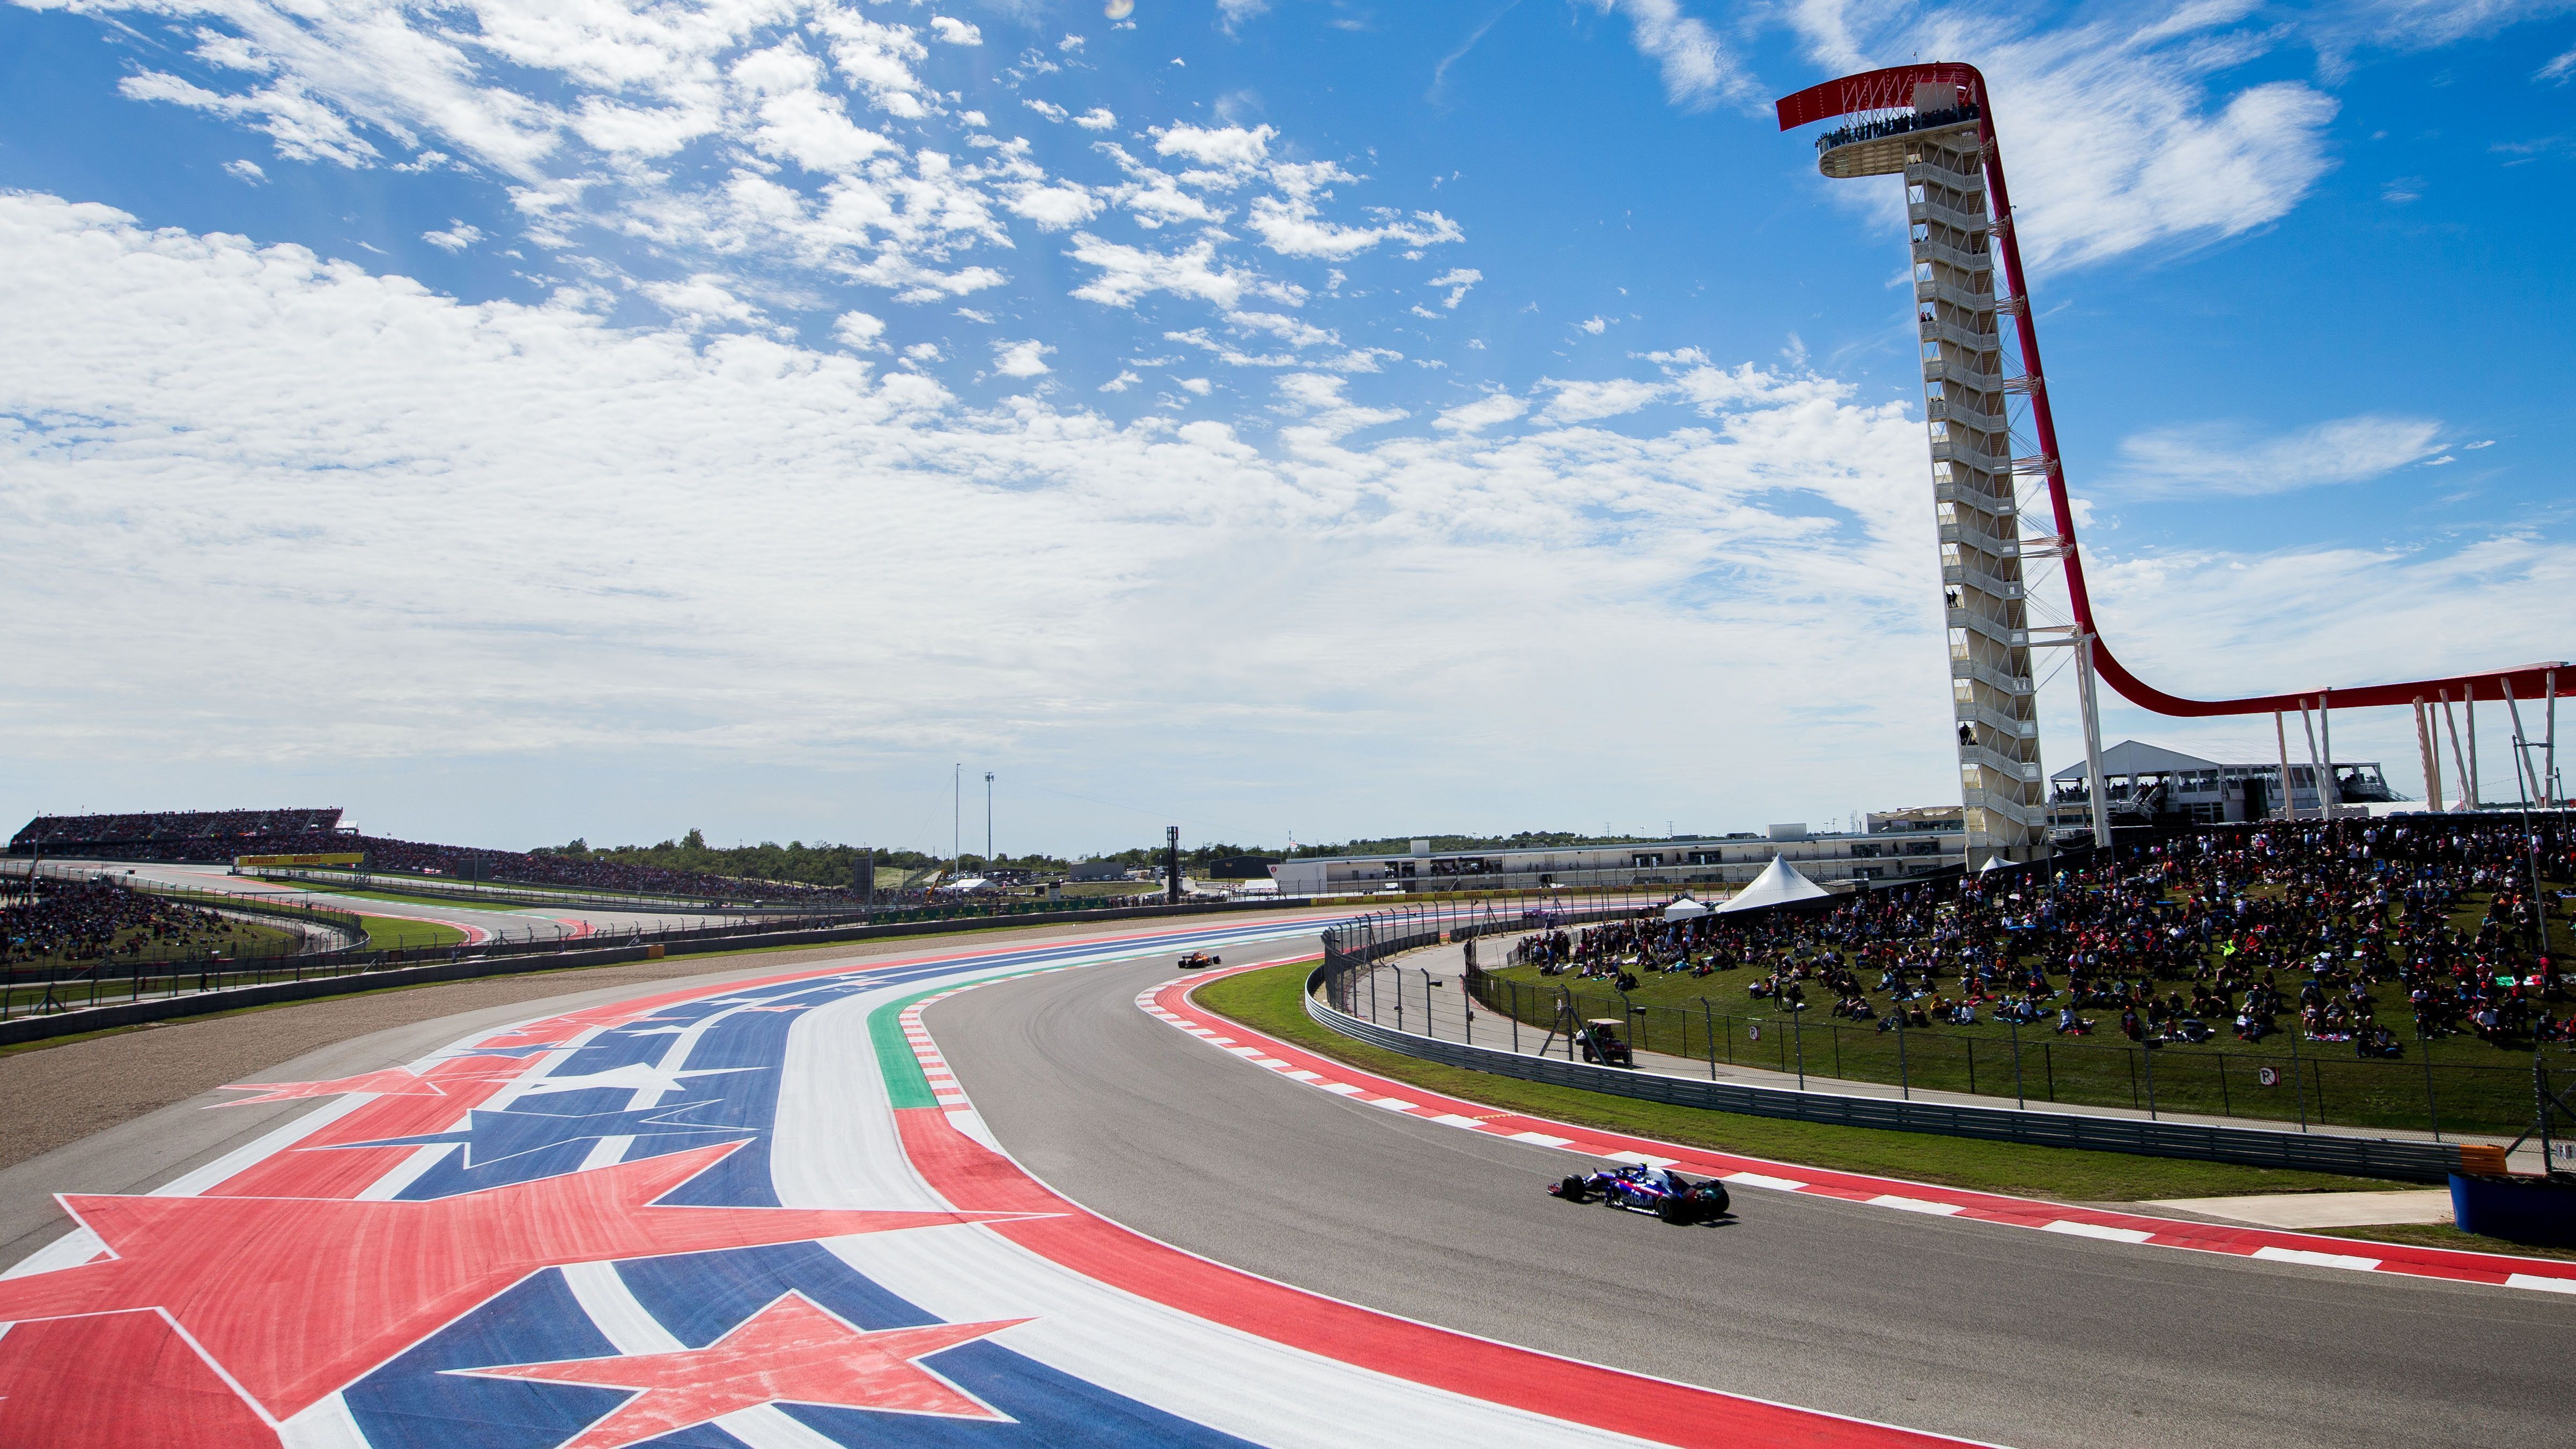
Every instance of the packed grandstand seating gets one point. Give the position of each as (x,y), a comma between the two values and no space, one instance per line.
(87,920)
(222,835)
(2354,930)
(98,835)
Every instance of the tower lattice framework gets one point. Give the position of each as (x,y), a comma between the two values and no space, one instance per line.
(1967,382)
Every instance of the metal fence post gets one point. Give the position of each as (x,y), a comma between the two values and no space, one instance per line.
(1798,1032)
(1708,1038)
(2147,1051)
(2018,1099)
(2298,1088)
(1904,1083)
(2432,1108)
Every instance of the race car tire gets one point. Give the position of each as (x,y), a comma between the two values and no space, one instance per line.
(1571,1189)
(1673,1210)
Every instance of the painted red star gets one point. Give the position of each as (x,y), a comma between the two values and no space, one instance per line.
(390,1082)
(294,1298)
(792,1352)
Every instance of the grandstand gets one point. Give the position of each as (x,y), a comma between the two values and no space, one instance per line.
(218,836)
(122,836)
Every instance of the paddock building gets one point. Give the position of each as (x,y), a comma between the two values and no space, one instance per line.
(1898,844)
(2152,783)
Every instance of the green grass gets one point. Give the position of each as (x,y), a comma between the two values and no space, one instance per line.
(389,933)
(1273,1001)
(2474,1086)
(2443,1235)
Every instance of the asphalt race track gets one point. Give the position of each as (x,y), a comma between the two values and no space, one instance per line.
(1958,1327)
(763,1206)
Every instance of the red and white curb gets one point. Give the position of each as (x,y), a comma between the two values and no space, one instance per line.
(1169,1003)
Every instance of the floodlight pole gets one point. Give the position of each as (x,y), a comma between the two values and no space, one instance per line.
(988,820)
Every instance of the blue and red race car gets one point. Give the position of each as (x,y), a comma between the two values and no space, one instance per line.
(1640,1189)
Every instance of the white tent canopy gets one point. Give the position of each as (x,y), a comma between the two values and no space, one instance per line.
(1683,909)
(1779,884)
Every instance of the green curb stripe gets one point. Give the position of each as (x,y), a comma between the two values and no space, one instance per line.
(905,1085)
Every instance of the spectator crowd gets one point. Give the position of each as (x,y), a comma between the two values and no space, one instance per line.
(2365,932)
(98,920)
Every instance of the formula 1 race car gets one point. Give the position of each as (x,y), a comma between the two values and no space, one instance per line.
(1639,1189)
(1197,960)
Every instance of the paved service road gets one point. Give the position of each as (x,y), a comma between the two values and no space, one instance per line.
(1967,1328)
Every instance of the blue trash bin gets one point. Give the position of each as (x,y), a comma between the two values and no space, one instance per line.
(2539,1210)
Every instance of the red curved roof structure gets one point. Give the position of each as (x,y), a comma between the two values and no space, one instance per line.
(1893,89)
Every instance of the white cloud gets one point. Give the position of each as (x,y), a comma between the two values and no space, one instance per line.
(1020,359)
(2558,69)
(955,32)
(1457,280)
(2218,458)
(1581,402)
(1048,109)
(1291,225)
(700,300)
(2161,158)
(456,238)
(1484,412)
(1123,381)
(1594,325)
(1198,386)
(860,332)
(1098,118)
(247,171)
(1069,43)
(1232,13)
(1233,150)
(411,437)
(1695,68)
(1127,273)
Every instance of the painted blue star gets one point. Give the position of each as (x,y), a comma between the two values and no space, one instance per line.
(497,1136)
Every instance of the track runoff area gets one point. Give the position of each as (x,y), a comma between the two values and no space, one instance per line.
(763,1211)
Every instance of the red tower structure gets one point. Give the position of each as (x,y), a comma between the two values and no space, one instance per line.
(1934,125)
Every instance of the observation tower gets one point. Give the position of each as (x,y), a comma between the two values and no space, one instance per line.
(1986,403)
(1928,132)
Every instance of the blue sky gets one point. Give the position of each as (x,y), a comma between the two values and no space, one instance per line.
(516,421)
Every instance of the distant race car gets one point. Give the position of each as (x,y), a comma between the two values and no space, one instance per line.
(1198,959)
(1639,1189)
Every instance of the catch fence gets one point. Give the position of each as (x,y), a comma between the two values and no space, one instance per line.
(1336,997)
(2298,1082)
(2305,1083)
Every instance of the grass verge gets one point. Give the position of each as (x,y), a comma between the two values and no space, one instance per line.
(392,933)
(2443,1235)
(1273,1001)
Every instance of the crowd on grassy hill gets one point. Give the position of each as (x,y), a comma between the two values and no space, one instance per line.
(2357,932)
(88,920)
